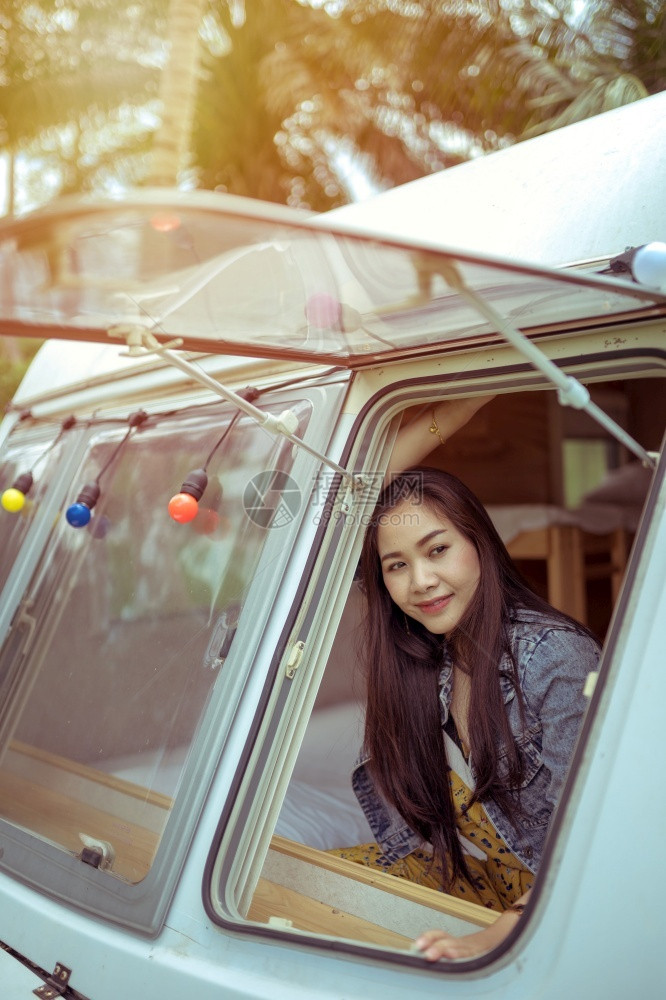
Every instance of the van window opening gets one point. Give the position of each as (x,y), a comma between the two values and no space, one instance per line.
(570,392)
(538,501)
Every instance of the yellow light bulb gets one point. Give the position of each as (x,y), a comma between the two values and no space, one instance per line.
(13,500)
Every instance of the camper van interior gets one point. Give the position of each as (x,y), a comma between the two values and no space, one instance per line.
(566,500)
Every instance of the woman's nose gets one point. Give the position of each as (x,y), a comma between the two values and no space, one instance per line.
(423,577)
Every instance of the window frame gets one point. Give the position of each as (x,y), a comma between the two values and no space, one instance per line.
(370,437)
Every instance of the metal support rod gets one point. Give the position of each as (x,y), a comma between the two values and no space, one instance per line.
(140,341)
(570,391)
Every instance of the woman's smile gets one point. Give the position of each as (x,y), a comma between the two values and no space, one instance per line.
(435,605)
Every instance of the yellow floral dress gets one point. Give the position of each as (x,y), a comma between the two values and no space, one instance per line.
(498,877)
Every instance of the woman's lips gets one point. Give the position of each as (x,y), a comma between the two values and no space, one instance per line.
(435,606)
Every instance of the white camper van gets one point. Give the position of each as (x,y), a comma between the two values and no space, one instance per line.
(187,471)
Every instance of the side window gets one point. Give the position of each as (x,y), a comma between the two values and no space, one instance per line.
(322,872)
(28,463)
(125,635)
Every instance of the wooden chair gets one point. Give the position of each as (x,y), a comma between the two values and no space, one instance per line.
(573,557)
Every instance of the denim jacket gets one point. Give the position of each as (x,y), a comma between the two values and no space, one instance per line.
(552,661)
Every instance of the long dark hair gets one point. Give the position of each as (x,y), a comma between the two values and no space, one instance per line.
(403,728)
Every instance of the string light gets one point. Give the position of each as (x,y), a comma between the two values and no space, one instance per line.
(79,514)
(184,506)
(323,311)
(13,499)
(165,222)
(646,264)
(649,265)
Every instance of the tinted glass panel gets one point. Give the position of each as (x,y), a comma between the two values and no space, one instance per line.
(36,458)
(125,635)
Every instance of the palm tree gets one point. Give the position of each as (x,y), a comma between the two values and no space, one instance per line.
(274,101)
(69,76)
(293,94)
(262,74)
(407,89)
(564,69)
(178,91)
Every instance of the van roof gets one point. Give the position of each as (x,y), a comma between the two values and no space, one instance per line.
(586,191)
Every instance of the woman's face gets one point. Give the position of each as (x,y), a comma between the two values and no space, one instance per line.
(430,569)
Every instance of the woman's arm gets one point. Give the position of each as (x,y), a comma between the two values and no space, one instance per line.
(438,944)
(553,685)
(430,429)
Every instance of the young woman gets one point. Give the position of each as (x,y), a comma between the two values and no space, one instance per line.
(474,701)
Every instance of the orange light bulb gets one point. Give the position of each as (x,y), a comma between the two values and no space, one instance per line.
(183,507)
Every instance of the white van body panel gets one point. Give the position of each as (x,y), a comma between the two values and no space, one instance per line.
(595,930)
(604,170)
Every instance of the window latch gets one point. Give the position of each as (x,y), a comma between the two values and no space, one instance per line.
(295,657)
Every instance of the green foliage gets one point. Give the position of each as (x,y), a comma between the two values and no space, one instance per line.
(295,96)
(564,69)
(13,366)
(74,77)
(400,89)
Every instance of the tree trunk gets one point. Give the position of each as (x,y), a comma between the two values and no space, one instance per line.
(178,89)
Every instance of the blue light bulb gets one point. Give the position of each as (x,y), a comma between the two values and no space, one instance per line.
(78,514)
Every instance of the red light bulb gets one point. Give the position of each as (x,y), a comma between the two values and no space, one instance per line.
(183,507)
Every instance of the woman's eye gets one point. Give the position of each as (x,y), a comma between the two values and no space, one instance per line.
(438,550)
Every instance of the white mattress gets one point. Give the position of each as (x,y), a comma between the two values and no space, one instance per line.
(320,808)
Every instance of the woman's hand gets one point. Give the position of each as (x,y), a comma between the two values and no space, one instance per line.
(434,945)
(416,440)
(438,944)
